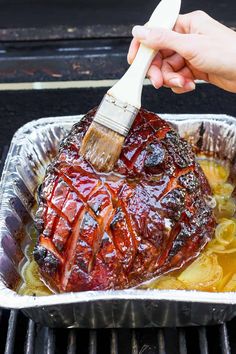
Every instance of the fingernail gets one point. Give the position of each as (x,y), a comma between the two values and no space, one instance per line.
(128,59)
(154,84)
(176,82)
(140,31)
(190,85)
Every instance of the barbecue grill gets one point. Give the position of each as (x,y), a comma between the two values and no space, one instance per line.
(51,66)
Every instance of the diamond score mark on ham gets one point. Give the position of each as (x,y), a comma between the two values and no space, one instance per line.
(117,230)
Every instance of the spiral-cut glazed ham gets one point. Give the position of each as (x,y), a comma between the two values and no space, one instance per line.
(115,231)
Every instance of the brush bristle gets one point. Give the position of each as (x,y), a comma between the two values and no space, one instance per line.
(101,146)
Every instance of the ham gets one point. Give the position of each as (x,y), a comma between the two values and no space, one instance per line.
(115,231)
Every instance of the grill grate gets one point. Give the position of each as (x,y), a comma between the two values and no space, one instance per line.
(24,336)
(20,335)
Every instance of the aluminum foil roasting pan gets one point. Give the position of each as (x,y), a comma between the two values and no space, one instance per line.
(32,148)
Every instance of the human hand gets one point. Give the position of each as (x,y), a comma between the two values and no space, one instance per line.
(198,48)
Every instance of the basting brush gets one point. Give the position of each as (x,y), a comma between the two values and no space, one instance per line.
(104,139)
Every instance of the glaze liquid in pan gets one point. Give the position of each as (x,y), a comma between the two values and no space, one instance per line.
(213,270)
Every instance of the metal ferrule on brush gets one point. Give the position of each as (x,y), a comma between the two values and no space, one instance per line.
(116,115)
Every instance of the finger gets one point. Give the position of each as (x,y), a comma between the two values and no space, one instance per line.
(155,76)
(189,86)
(157,61)
(182,24)
(165,53)
(180,83)
(133,48)
(187,73)
(175,61)
(182,79)
(178,79)
(170,77)
(187,45)
(173,80)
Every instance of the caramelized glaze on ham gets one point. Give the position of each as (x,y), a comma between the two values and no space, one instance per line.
(117,230)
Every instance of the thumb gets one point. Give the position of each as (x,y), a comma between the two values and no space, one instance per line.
(186,45)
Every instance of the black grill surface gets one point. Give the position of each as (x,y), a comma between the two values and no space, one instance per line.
(18,334)
(21,335)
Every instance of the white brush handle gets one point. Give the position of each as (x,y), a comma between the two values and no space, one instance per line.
(129,88)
